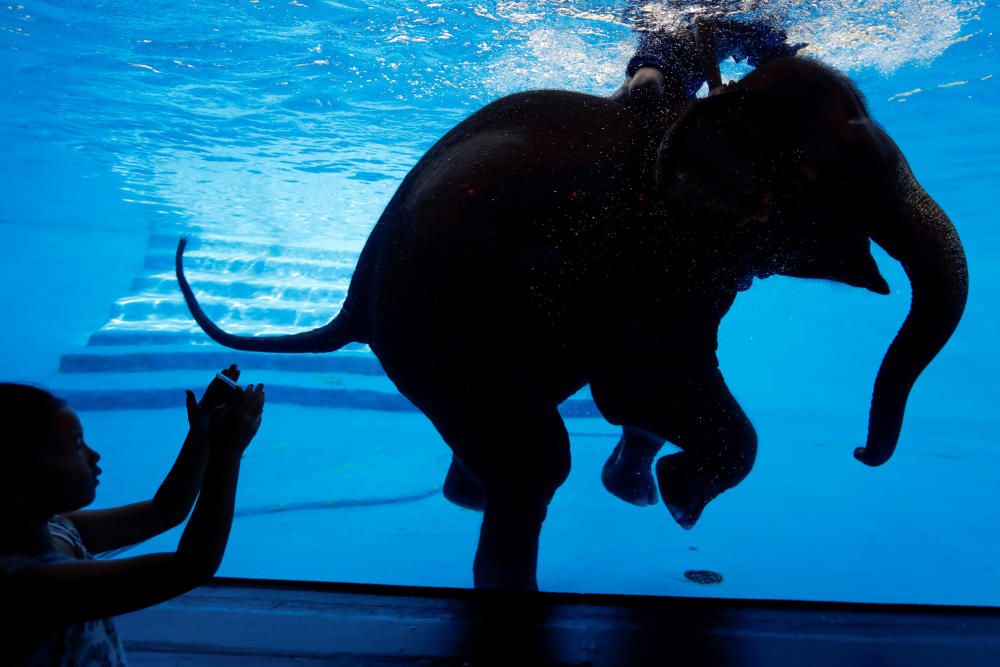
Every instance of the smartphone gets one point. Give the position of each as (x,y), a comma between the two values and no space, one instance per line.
(219,390)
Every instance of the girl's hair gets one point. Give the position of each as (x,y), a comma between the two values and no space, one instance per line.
(27,417)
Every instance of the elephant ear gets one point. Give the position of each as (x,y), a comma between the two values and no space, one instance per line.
(745,165)
(717,159)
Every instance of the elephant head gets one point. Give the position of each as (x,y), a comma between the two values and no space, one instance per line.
(786,171)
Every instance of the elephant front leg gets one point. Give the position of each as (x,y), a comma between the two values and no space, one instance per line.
(694,410)
(628,472)
(719,448)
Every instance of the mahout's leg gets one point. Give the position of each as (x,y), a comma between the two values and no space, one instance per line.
(521,456)
(628,472)
(462,488)
(719,447)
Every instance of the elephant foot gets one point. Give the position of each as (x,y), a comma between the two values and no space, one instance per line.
(507,555)
(684,495)
(630,480)
(462,489)
(497,575)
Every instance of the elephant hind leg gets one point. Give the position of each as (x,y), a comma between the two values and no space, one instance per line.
(719,447)
(521,457)
(462,488)
(628,472)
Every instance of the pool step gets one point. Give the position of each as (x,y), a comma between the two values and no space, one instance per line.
(225,311)
(177,331)
(330,269)
(248,286)
(250,247)
(170,357)
(235,256)
(240,287)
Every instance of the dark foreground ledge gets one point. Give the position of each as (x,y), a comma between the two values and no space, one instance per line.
(254,623)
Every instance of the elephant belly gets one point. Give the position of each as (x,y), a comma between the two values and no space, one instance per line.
(457,323)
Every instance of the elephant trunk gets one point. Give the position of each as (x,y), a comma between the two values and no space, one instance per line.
(919,235)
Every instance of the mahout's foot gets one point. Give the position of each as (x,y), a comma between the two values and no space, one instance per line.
(684,495)
(630,480)
(463,489)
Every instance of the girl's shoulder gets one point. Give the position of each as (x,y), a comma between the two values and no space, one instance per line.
(63,529)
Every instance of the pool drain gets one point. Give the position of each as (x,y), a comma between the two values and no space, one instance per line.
(703,577)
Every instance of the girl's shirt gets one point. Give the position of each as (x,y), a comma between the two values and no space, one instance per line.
(89,644)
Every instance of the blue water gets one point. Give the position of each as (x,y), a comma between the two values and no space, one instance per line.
(275,132)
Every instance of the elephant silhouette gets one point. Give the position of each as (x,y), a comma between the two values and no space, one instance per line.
(554,239)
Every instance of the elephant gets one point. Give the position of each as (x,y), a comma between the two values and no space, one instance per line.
(555,239)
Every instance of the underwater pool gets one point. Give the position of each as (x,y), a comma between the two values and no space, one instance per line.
(275,132)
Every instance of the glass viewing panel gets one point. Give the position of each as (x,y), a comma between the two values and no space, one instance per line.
(274,133)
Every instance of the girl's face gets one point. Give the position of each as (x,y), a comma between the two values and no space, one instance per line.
(68,467)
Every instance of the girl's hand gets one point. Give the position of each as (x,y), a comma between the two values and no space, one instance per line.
(233,372)
(199,416)
(232,426)
(217,394)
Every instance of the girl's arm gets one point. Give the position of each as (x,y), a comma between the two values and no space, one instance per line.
(116,527)
(63,593)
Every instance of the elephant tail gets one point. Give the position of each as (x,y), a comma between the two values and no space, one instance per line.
(333,336)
